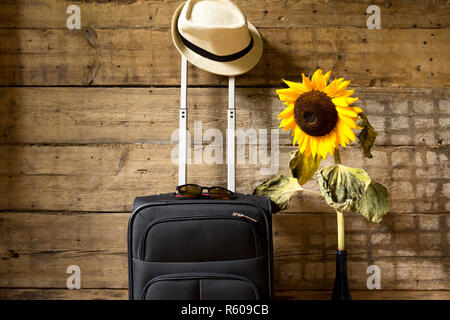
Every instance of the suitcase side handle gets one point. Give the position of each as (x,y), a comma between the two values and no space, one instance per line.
(231,139)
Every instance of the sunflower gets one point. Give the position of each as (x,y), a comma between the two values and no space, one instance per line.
(319,114)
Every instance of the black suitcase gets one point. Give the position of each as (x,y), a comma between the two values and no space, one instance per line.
(200,249)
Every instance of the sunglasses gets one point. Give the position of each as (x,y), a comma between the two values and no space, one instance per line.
(192,191)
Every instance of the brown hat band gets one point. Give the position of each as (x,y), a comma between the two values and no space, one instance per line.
(212,56)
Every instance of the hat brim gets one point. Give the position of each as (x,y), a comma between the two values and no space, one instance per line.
(231,68)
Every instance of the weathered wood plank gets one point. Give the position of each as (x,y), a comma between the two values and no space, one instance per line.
(122,294)
(108,177)
(312,235)
(366,295)
(132,115)
(57,233)
(64,294)
(48,269)
(280,14)
(148,57)
(410,249)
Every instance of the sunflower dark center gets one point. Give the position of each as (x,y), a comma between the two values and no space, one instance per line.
(315,113)
(309,117)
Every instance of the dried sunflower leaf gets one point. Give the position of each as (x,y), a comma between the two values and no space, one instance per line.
(302,167)
(342,186)
(279,189)
(367,136)
(374,204)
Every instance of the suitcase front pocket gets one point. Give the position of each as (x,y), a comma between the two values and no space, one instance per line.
(200,238)
(193,286)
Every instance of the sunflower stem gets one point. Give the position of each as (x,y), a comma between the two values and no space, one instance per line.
(341,232)
(337,156)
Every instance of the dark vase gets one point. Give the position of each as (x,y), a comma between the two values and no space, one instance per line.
(341,291)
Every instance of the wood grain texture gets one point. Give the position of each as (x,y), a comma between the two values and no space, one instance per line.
(147,57)
(122,294)
(411,250)
(365,295)
(102,135)
(148,115)
(280,14)
(108,177)
(63,294)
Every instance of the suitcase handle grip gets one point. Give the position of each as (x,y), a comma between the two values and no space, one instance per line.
(231,140)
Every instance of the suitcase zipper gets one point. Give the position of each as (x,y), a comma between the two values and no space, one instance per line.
(249,221)
(241,215)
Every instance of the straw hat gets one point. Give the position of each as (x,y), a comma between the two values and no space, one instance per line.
(215,36)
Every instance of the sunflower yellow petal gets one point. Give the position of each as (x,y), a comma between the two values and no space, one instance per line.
(341,87)
(343,94)
(324,80)
(314,146)
(304,146)
(288,111)
(320,145)
(286,121)
(333,140)
(286,99)
(347,131)
(290,126)
(329,140)
(344,101)
(348,121)
(348,111)
(288,93)
(308,151)
(330,90)
(316,80)
(341,138)
(323,147)
(306,82)
(338,82)
(296,86)
(357,110)
(301,136)
(340,101)
(343,84)
(338,139)
(286,114)
(326,77)
(350,100)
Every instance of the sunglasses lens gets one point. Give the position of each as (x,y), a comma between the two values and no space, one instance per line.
(220,193)
(190,191)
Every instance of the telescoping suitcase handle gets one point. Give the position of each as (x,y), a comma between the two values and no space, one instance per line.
(231,144)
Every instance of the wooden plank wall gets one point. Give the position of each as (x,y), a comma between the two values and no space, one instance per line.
(86,118)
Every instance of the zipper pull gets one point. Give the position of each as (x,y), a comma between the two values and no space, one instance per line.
(241,215)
